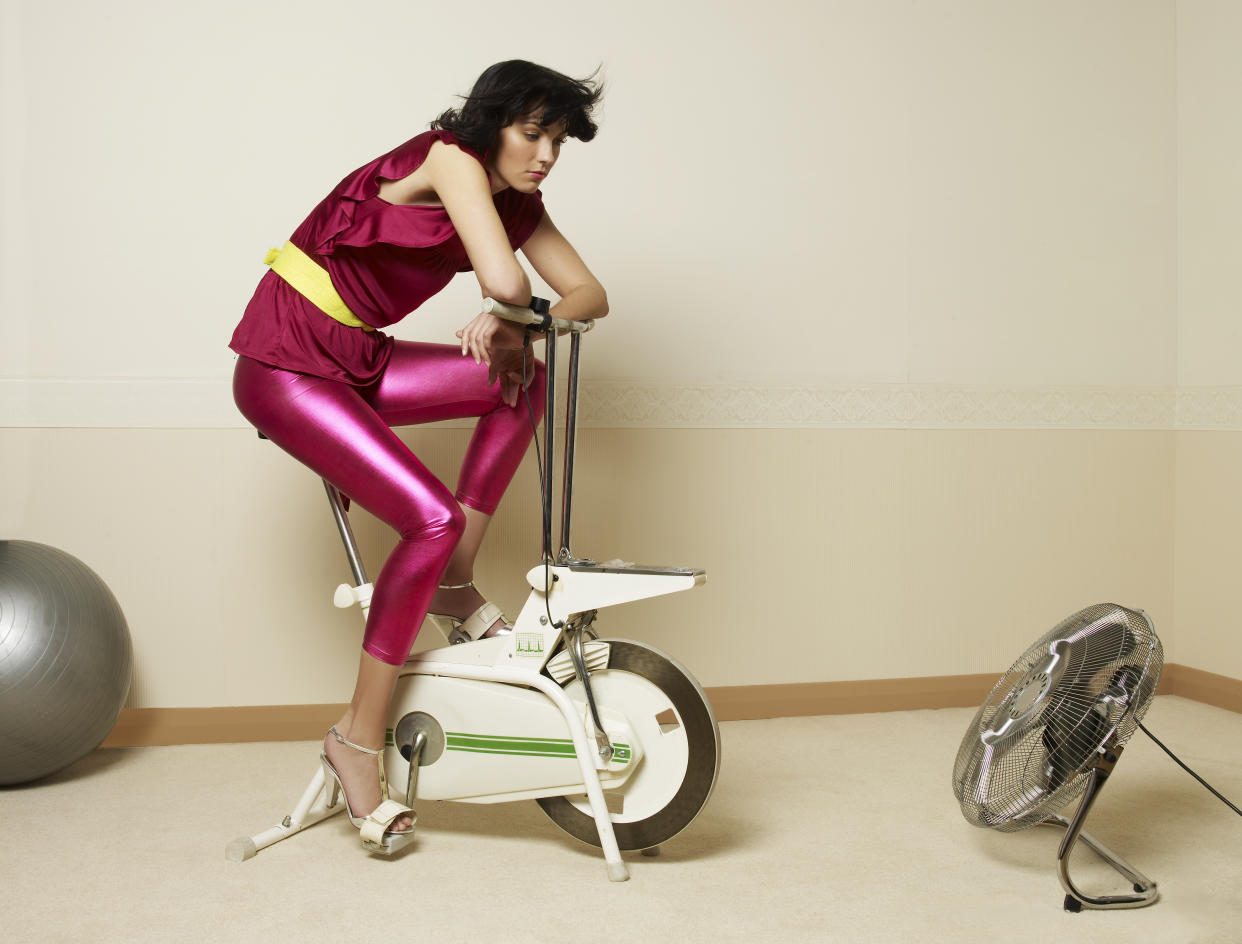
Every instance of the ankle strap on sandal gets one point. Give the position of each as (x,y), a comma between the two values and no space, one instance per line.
(348,743)
(469,584)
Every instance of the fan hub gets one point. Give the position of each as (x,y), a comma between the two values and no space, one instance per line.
(1029,693)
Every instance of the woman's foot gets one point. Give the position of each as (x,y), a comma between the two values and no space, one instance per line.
(359,773)
(459,601)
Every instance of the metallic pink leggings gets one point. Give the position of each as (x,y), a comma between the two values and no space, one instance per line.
(343,433)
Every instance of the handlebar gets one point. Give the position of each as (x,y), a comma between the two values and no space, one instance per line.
(528,316)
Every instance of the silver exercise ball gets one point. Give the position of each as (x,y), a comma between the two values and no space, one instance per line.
(65,660)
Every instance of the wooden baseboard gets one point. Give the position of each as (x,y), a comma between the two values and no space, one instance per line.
(149,727)
(1220,691)
(749,702)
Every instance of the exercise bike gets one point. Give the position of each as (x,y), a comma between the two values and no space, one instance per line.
(615,740)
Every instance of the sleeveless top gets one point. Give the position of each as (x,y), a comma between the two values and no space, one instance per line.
(385,260)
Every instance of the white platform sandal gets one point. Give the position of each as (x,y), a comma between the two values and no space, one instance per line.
(474,626)
(376,827)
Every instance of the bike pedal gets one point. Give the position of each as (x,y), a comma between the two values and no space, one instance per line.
(561,666)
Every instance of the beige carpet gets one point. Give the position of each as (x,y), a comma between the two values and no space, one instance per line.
(840,828)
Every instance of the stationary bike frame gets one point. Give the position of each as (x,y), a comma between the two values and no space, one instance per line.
(516,681)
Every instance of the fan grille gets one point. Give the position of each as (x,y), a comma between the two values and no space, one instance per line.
(1028,751)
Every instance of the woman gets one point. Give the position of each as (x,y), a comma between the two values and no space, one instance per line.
(318,379)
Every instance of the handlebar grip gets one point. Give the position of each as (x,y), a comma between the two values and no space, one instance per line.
(526,316)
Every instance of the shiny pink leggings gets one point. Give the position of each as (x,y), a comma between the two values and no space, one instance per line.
(343,433)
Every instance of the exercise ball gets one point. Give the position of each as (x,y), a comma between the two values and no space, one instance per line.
(65,660)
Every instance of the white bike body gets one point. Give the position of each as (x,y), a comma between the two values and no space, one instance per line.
(520,739)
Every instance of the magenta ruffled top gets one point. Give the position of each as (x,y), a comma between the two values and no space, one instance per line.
(385,260)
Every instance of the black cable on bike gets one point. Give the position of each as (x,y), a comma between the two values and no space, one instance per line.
(544,508)
(1179,763)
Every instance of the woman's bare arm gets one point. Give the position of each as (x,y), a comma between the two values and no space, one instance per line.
(581,295)
(461,185)
(558,263)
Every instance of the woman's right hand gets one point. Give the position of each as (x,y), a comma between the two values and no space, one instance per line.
(507,368)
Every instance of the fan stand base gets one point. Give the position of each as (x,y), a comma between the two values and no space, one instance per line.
(1145,889)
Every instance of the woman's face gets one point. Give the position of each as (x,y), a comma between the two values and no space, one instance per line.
(525,154)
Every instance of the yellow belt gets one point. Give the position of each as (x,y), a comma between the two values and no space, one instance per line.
(311,280)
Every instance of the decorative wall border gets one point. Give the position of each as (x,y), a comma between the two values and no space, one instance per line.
(207,403)
(878,406)
(1209,408)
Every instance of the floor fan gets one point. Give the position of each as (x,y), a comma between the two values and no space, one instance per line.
(1052,729)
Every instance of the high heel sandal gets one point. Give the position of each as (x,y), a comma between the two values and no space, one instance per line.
(474,626)
(376,827)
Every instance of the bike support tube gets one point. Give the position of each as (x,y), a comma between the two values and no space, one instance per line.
(617,871)
(311,808)
(571,437)
(549,443)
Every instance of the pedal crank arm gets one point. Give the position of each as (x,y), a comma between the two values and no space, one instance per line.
(574,634)
(416,755)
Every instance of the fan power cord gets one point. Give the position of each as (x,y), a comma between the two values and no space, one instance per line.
(1179,763)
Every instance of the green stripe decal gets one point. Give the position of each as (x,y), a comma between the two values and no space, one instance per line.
(523,746)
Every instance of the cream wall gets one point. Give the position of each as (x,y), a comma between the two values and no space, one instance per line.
(831,554)
(894,351)
(1209,456)
(900,192)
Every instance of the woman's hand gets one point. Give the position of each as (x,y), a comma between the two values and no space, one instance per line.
(507,367)
(487,335)
(498,344)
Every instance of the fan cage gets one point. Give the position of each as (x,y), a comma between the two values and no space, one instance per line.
(1028,752)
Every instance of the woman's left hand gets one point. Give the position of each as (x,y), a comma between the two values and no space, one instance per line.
(498,344)
(488,335)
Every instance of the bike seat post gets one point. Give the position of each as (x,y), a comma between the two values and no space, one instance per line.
(571,436)
(347,534)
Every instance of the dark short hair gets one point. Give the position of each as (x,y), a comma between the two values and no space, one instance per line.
(508,90)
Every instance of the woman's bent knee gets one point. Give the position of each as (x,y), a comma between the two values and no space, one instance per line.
(444,522)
